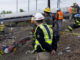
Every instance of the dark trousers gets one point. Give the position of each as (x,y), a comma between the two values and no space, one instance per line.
(59,25)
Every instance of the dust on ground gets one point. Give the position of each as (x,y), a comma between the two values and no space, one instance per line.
(66,40)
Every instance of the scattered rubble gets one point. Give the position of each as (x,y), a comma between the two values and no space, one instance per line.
(68,47)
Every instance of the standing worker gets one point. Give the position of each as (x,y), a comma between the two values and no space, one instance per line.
(48,17)
(59,18)
(2,30)
(70,9)
(45,45)
(70,12)
(75,9)
(2,27)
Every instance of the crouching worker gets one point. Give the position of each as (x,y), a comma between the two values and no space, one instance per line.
(76,24)
(45,45)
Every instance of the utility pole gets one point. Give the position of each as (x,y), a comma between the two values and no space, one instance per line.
(17,6)
(58,3)
(36,5)
(28,5)
(49,3)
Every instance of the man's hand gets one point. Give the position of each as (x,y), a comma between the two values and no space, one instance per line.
(53,52)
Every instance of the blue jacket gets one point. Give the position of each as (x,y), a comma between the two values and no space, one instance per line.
(47,47)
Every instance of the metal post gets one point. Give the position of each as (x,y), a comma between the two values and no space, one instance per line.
(49,3)
(17,6)
(28,5)
(36,5)
(58,3)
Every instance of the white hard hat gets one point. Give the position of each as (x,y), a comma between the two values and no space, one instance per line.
(1,22)
(38,16)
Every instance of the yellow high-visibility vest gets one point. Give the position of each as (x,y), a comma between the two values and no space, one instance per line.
(46,36)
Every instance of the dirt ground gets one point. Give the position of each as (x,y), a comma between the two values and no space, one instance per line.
(68,48)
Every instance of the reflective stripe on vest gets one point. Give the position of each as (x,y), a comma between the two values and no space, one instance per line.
(70,28)
(77,21)
(60,15)
(50,26)
(48,39)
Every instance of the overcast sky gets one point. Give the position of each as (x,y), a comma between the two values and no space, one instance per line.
(11,4)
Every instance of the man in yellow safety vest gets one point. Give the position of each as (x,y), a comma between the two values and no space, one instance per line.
(45,43)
